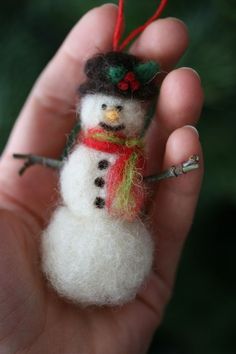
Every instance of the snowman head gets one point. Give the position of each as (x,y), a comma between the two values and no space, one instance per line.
(117,92)
(114,114)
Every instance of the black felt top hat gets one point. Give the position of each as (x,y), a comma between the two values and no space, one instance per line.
(120,74)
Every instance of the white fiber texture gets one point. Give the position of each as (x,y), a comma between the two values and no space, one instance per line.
(88,256)
(98,260)
(77,180)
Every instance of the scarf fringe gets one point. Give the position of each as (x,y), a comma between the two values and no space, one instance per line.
(124,181)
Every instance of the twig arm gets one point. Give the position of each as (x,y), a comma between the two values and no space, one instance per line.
(31,160)
(191,164)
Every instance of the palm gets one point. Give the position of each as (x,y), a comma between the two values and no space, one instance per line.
(33,318)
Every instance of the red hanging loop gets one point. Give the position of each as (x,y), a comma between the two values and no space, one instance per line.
(134,33)
(119,25)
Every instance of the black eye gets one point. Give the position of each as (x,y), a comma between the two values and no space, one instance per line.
(119,108)
(104,106)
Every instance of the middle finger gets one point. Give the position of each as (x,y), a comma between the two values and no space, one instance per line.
(179,104)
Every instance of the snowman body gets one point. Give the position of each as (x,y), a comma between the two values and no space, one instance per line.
(83,181)
(89,256)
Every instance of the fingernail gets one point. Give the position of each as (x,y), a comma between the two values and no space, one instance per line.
(193,128)
(176,19)
(109,4)
(193,71)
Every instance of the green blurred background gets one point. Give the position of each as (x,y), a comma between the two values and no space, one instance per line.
(201,318)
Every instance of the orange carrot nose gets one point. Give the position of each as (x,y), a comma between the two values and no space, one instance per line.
(112,116)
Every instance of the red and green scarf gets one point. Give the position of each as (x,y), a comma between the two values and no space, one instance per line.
(124,181)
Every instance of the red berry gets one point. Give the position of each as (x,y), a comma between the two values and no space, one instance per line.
(123,86)
(129,76)
(135,85)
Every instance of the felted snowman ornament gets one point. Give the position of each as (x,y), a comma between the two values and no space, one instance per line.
(96,249)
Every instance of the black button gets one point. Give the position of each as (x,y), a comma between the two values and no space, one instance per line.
(103,164)
(99,203)
(99,182)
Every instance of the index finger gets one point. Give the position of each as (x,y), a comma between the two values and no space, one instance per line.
(49,111)
(48,114)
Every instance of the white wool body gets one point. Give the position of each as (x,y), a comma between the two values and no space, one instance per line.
(78,189)
(89,256)
(99,260)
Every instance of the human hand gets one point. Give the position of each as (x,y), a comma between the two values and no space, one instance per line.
(33,319)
